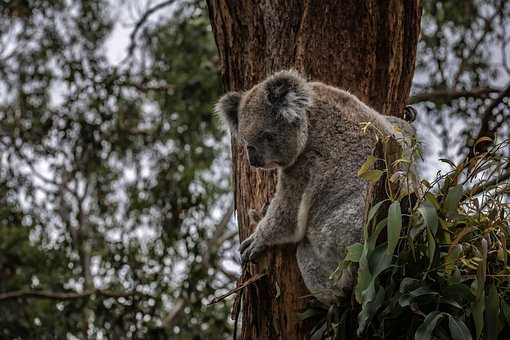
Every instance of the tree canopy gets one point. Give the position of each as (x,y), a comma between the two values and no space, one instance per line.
(114,215)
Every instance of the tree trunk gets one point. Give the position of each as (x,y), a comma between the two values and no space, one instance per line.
(367,47)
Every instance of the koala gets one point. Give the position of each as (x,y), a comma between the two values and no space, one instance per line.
(312,133)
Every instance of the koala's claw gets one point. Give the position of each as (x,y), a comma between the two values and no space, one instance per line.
(251,249)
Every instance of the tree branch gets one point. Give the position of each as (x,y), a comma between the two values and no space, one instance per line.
(488,185)
(174,314)
(449,94)
(142,20)
(487,28)
(41,294)
(487,116)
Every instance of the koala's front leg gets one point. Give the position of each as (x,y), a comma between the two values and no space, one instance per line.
(254,245)
(284,222)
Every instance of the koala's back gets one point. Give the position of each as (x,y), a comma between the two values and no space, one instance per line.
(335,194)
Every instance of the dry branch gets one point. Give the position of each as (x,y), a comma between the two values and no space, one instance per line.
(142,20)
(488,185)
(41,294)
(246,283)
(449,94)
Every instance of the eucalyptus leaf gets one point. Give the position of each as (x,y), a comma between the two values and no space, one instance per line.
(431,247)
(378,262)
(492,313)
(478,307)
(364,273)
(406,299)
(372,175)
(318,332)
(394,226)
(354,252)
(426,329)
(453,199)
(506,311)
(429,213)
(366,166)
(408,284)
(458,329)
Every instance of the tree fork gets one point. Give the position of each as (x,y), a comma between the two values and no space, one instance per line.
(367,48)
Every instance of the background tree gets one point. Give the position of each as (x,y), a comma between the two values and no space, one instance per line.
(462,83)
(111,194)
(367,48)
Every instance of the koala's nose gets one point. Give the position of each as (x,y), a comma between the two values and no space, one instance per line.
(253,156)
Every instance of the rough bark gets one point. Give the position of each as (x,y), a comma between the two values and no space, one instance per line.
(367,47)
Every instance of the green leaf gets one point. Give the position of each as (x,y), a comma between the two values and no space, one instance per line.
(452,303)
(377,262)
(364,273)
(372,213)
(432,200)
(408,284)
(406,299)
(492,313)
(318,332)
(458,329)
(372,175)
(354,252)
(369,309)
(367,165)
(431,247)
(394,226)
(429,214)
(426,329)
(506,311)
(453,199)
(478,306)
(451,258)
(458,292)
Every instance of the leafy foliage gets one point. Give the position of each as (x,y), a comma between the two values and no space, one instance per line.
(441,271)
(109,179)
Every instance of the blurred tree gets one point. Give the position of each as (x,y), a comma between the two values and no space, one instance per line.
(462,80)
(114,214)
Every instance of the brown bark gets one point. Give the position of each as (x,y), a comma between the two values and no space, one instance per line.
(367,47)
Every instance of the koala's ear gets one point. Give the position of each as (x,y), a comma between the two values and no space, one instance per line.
(289,94)
(227,108)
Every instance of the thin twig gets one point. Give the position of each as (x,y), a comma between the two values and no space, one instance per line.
(246,283)
(472,51)
(142,20)
(487,117)
(451,94)
(487,185)
(41,294)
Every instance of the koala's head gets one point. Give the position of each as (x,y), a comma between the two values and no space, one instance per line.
(270,119)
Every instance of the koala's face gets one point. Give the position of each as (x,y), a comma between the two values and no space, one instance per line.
(270,119)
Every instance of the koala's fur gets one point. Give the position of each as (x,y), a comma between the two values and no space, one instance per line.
(312,133)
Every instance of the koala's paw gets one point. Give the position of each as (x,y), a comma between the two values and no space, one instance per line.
(251,248)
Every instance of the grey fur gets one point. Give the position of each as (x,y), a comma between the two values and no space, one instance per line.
(227,108)
(317,145)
